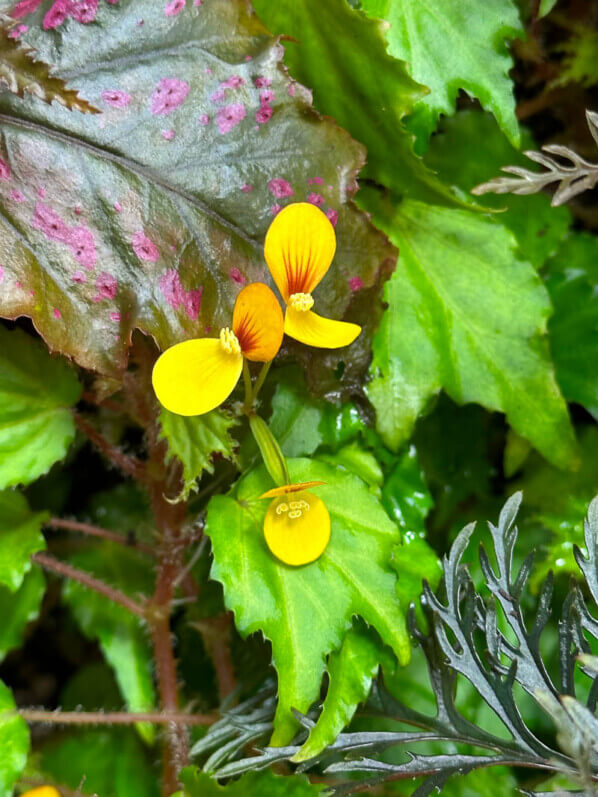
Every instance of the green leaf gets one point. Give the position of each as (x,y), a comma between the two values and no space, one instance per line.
(351,671)
(546,7)
(306,611)
(470,149)
(19,608)
(110,762)
(450,324)
(124,508)
(14,742)
(193,441)
(22,73)
(450,45)
(20,537)
(121,635)
(579,63)
(358,83)
(153,213)
(558,503)
(295,418)
(36,393)
(572,281)
(353,457)
(255,784)
(405,494)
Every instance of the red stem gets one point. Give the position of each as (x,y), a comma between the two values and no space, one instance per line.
(128,465)
(96,531)
(113,717)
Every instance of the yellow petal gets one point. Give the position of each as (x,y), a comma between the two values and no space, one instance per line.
(290,488)
(195,376)
(297,528)
(313,330)
(258,322)
(299,248)
(42,791)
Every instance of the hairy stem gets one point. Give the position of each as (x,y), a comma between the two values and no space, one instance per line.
(114,717)
(128,465)
(63,569)
(96,531)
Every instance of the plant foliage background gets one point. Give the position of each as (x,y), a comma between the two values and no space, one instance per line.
(150,643)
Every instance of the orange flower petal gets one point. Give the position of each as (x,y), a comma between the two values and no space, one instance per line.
(290,488)
(297,528)
(299,248)
(195,376)
(258,322)
(313,330)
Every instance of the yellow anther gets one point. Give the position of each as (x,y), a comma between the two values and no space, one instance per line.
(295,513)
(282,508)
(301,301)
(229,341)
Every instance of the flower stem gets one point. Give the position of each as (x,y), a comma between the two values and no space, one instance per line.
(114,717)
(260,381)
(96,531)
(248,403)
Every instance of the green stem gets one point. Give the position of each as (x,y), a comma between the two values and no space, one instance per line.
(248,403)
(260,381)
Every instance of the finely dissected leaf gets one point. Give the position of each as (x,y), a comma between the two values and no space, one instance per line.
(351,671)
(110,762)
(449,45)
(121,635)
(558,502)
(152,214)
(358,83)
(19,608)
(14,743)
(195,440)
(451,325)
(306,611)
(470,149)
(572,281)
(36,392)
(22,73)
(20,536)
(255,784)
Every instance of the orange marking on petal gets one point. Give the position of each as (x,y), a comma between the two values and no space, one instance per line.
(258,322)
(290,488)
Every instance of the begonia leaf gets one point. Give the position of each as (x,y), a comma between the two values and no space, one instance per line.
(451,45)
(18,609)
(450,324)
(14,742)
(36,393)
(152,214)
(306,611)
(20,536)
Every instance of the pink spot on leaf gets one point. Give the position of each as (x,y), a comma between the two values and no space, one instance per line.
(192,302)
(218,96)
(117,207)
(41,192)
(50,223)
(116,98)
(332,216)
(280,188)
(107,287)
(236,276)
(291,90)
(315,181)
(79,277)
(174,7)
(56,15)
(17,196)
(1,273)
(233,82)
(275,209)
(17,32)
(263,115)
(168,135)
(84,11)
(144,248)
(198,2)
(4,170)
(266,97)
(172,290)
(204,119)
(316,199)
(246,188)
(169,94)
(56,313)
(115,316)
(355,283)
(230,116)
(82,243)
(262,82)
(24,7)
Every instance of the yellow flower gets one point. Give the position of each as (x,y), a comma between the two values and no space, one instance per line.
(299,248)
(297,523)
(42,791)
(197,375)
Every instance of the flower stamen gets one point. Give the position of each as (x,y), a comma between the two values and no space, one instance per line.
(301,301)
(229,341)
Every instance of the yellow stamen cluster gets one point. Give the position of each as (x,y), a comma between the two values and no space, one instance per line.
(229,341)
(294,508)
(301,301)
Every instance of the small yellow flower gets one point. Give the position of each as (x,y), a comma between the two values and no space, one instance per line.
(42,791)
(299,248)
(297,523)
(195,376)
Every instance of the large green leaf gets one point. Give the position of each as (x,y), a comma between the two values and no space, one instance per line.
(452,324)
(36,392)
(255,784)
(193,441)
(572,281)
(470,149)
(357,83)
(14,743)
(19,608)
(306,611)
(452,45)
(295,418)
(122,635)
(152,214)
(20,536)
